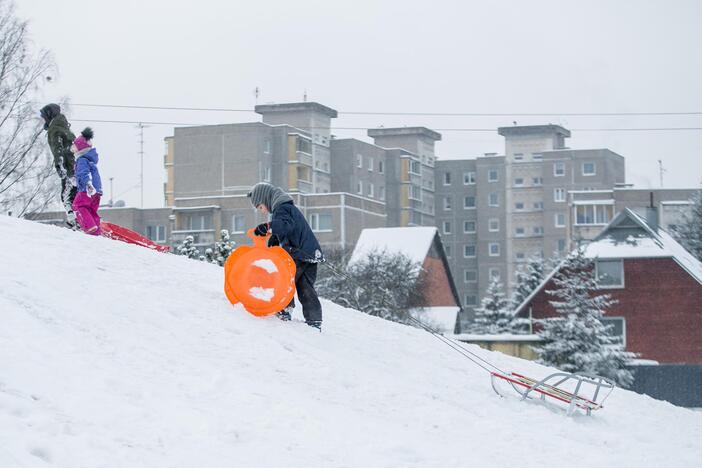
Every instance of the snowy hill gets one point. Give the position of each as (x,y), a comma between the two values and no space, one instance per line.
(115,356)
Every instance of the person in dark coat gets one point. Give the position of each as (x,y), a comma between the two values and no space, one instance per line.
(293,233)
(60,140)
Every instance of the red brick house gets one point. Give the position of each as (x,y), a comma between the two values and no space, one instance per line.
(658,285)
(422,245)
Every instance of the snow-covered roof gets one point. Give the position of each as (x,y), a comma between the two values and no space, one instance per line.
(440,318)
(646,243)
(414,242)
(498,337)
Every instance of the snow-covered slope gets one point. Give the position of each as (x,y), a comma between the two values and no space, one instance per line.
(115,356)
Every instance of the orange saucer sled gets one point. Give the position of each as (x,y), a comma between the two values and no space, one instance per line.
(262,278)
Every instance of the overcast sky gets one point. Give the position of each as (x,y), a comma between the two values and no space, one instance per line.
(386,56)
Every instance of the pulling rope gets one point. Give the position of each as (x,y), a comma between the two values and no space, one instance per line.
(455,345)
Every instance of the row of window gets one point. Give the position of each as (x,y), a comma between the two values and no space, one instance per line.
(559,170)
(587,169)
(369,164)
(469,177)
(469,250)
(370,190)
(469,201)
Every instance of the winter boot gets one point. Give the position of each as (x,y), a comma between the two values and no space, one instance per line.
(71,220)
(315,324)
(285,314)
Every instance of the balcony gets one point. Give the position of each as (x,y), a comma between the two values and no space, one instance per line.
(202,237)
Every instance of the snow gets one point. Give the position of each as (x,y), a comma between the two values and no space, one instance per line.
(642,247)
(116,356)
(266,264)
(497,337)
(413,242)
(439,318)
(264,294)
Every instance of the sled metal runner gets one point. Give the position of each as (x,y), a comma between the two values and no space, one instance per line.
(532,389)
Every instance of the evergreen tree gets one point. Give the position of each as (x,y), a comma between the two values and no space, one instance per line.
(223,248)
(188,249)
(528,278)
(495,314)
(689,232)
(577,340)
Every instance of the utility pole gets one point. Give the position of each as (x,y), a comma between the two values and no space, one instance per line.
(660,171)
(141,128)
(112,200)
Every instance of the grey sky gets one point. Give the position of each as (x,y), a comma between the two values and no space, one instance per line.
(399,56)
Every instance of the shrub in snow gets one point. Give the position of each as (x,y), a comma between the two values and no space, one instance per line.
(495,314)
(577,340)
(188,249)
(689,232)
(223,248)
(383,284)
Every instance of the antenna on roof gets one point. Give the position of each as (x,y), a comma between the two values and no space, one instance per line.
(304,96)
(257,93)
(661,170)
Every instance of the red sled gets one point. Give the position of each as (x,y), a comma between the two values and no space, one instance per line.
(116,232)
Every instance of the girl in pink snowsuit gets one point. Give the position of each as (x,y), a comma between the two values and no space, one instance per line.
(89,184)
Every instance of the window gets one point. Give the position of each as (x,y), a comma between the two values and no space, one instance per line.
(198,221)
(447,203)
(267,146)
(304,146)
(156,233)
(520,256)
(370,164)
(559,220)
(589,169)
(537,156)
(561,245)
(359,187)
(471,300)
(494,249)
(267,174)
(447,227)
(617,328)
(468,203)
(468,227)
(370,190)
(321,222)
(538,206)
(494,225)
(559,195)
(537,181)
(559,169)
(492,175)
(469,250)
(415,193)
(494,274)
(593,214)
(468,178)
(359,161)
(610,273)
(538,231)
(447,250)
(381,167)
(518,156)
(519,232)
(519,182)
(470,276)
(493,201)
(381,192)
(447,178)
(519,206)
(415,167)
(238,224)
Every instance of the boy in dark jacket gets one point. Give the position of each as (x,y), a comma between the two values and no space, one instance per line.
(293,233)
(60,139)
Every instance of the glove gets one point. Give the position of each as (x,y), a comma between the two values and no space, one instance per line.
(261,229)
(90,190)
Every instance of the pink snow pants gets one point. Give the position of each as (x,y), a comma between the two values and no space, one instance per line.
(85,208)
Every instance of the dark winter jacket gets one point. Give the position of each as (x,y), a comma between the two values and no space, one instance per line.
(87,171)
(60,139)
(294,234)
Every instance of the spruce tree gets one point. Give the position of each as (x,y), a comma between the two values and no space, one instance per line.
(689,232)
(528,278)
(223,248)
(495,314)
(577,340)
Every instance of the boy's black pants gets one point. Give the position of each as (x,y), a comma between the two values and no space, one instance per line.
(305,276)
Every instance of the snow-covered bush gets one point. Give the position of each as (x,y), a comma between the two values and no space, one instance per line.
(495,314)
(187,248)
